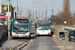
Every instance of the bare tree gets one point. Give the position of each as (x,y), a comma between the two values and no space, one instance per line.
(61,17)
(73,18)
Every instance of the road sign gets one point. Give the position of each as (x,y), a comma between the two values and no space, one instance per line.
(5,8)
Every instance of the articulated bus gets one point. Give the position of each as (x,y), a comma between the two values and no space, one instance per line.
(43,27)
(20,28)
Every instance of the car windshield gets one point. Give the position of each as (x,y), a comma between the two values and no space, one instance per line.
(72,33)
(43,26)
(20,26)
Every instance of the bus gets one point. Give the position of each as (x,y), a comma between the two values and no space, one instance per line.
(21,28)
(43,27)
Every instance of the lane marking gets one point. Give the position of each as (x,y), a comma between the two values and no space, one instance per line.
(58,44)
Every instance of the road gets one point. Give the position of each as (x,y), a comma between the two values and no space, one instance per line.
(42,43)
(37,43)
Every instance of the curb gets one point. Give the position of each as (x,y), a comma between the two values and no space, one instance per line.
(9,38)
(15,47)
(19,48)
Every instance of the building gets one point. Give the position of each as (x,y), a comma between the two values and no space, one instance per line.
(4,12)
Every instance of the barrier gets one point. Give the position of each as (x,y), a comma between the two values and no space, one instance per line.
(69,28)
(59,30)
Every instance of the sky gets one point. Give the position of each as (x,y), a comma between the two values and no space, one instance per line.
(40,5)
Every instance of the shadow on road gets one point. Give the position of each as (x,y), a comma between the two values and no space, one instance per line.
(2,41)
(44,36)
(73,41)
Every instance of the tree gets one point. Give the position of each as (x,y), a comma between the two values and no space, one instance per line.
(59,18)
(73,18)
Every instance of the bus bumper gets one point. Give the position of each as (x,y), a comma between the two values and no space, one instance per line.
(43,33)
(21,35)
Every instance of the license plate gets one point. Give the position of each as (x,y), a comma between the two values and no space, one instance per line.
(20,36)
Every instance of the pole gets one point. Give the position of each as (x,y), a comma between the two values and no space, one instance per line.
(14,12)
(8,21)
(46,13)
(17,8)
(0,6)
(33,16)
(52,9)
(36,15)
(39,16)
(21,14)
(42,14)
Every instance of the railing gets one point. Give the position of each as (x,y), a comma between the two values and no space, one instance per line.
(69,27)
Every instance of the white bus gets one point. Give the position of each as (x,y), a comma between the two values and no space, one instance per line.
(43,27)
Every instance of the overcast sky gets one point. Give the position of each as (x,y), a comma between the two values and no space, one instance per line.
(39,5)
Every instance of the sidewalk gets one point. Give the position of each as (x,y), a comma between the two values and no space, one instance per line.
(9,44)
(65,44)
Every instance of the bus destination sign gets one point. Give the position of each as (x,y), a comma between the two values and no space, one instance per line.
(22,20)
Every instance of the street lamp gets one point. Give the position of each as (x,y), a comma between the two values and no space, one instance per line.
(0,6)
(14,12)
(65,22)
(8,21)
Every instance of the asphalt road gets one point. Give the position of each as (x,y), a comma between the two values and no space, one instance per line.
(43,43)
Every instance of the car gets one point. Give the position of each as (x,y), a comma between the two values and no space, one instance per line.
(61,37)
(71,35)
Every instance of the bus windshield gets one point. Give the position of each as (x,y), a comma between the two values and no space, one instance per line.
(19,26)
(43,26)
